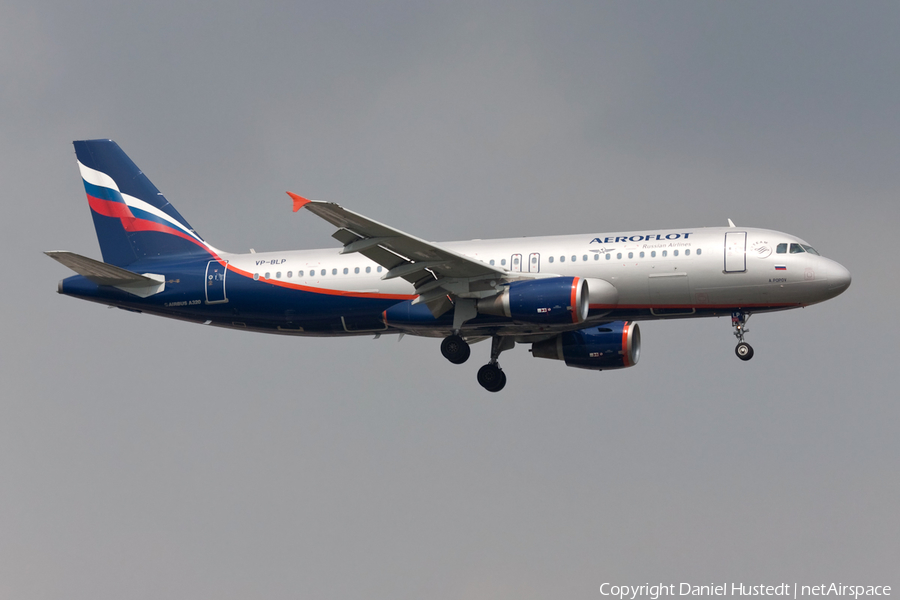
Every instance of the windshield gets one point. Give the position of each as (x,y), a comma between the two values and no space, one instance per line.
(795,249)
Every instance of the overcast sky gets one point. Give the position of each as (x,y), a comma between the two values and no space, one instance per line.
(145,458)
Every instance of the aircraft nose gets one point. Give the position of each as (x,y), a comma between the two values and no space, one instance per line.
(838,278)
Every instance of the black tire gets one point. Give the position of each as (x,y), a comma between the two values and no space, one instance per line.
(491,377)
(744,351)
(455,349)
(502,382)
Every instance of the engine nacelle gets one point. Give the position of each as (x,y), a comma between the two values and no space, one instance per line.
(547,301)
(611,346)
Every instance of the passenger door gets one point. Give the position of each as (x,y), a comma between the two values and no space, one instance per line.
(215,282)
(735,251)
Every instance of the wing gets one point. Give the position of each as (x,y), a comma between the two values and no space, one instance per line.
(436,272)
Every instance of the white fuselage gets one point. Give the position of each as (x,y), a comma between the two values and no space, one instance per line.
(666,270)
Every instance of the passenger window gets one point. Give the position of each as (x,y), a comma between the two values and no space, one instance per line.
(596,257)
(299,273)
(356,270)
(631,255)
(368,269)
(675,253)
(278,275)
(562,259)
(266,276)
(550,259)
(256,277)
(323,272)
(378,269)
(619,256)
(797,249)
(687,252)
(346,270)
(699,251)
(665,253)
(641,255)
(574,258)
(584,258)
(781,249)
(608,256)
(503,262)
(653,254)
(492,262)
(334,271)
(290,274)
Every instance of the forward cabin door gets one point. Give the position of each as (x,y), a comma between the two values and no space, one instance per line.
(735,251)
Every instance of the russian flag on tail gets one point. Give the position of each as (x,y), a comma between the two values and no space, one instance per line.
(132,217)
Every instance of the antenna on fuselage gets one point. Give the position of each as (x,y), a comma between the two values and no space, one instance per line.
(731,223)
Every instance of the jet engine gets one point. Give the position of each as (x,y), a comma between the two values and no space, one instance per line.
(610,346)
(546,301)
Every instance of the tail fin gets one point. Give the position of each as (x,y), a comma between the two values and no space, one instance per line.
(132,218)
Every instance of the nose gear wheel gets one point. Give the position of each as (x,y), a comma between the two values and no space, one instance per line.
(743,350)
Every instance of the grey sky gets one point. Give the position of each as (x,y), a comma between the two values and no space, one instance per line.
(145,458)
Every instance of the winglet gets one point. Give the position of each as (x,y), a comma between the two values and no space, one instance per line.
(299,201)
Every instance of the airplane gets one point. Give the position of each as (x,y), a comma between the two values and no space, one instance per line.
(574,298)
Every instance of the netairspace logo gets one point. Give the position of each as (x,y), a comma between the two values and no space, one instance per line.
(784,590)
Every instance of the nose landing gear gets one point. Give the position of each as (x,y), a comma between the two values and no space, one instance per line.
(743,350)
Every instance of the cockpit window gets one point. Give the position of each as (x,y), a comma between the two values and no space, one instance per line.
(795,249)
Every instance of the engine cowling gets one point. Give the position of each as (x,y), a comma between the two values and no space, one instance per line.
(547,301)
(611,346)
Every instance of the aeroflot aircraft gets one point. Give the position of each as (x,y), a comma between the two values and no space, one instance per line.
(575,298)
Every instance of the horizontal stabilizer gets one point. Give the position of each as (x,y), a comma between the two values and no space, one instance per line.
(102,273)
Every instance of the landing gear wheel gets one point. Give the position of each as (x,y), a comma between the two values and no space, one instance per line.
(739,320)
(455,349)
(744,351)
(491,377)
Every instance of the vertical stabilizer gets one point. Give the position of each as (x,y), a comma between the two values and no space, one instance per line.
(132,218)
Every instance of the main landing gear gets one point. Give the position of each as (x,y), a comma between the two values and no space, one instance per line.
(455,349)
(743,350)
(491,377)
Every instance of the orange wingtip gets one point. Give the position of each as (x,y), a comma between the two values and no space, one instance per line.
(299,201)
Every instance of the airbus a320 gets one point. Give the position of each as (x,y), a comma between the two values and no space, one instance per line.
(573,298)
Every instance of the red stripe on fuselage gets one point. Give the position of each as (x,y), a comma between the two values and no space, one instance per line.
(317,290)
(621,307)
